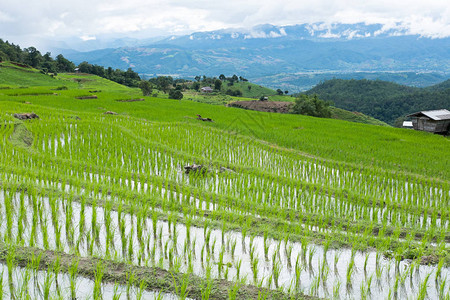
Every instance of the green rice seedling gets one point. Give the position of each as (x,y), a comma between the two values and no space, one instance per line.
(213,246)
(181,289)
(337,254)
(314,288)
(304,245)
(350,269)
(1,286)
(266,249)
(47,283)
(142,287)
(56,269)
(238,268)
(44,231)
(252,252)
(130,246)
(312,251)
(117,293)
(159,238)
(439,269)
(363,291)
(337,290)
(369,284)
(366,259)
(73,269)
(207,238)
(233,291)
(442,288)
(298,272)
(26,276)
(160,295)
(208,268)
(220,262)
(263,294)
(206,289)
(130,282)
(423,287)
(289,255)
(90,244)
(254,265)
(166,249)
(276,270)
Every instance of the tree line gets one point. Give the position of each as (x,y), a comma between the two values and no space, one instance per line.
(47,64)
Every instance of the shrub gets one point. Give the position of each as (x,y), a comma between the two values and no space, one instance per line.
(311,106)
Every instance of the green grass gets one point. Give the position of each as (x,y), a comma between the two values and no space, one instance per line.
(342,114)
(14,76)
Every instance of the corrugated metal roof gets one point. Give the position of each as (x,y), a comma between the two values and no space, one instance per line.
(437,115)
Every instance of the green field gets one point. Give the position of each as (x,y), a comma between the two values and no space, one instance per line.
(285,205)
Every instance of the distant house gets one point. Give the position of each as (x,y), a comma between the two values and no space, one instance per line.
(436,121)
(206,89)
(77,70)
(408,124)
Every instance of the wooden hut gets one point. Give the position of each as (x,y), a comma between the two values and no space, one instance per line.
(435,121)
(206,89)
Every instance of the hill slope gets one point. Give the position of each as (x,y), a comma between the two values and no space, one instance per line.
(388,148)
(382,100)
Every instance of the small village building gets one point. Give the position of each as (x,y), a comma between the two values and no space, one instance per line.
(435,121)
(206,89)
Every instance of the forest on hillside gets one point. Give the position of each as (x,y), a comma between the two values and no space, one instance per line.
(386,101)
(32,57)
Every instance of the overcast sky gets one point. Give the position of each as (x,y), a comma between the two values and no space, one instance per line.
(28,21)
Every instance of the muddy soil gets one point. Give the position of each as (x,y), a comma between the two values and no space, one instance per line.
(265,106)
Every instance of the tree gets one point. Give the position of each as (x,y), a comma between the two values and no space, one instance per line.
(164,82)
(48,65)
(63,64)
(145,87)
(175,94)
(196,86)
(311,106)
(33,57)
(85,67)
(222,77)
(279,92)
(217,84)
(286,92)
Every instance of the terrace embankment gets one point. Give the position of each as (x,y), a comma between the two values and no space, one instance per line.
(152,277)
(265,106)
(21,136)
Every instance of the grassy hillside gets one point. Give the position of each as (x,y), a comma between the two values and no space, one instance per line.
(395,149)
(148,198)
(382,100)
(14,76)
(342,114)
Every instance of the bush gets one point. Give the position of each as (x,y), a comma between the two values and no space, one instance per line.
(175,94)
(311,106)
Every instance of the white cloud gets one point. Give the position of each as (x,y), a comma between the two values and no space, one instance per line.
(88,38)
(58,19)
(4,18)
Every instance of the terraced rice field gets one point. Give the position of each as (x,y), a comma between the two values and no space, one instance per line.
(99,206)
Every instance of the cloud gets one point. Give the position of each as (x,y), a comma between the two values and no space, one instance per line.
(59,19)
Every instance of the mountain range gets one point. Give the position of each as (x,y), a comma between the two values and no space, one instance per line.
(268,50)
